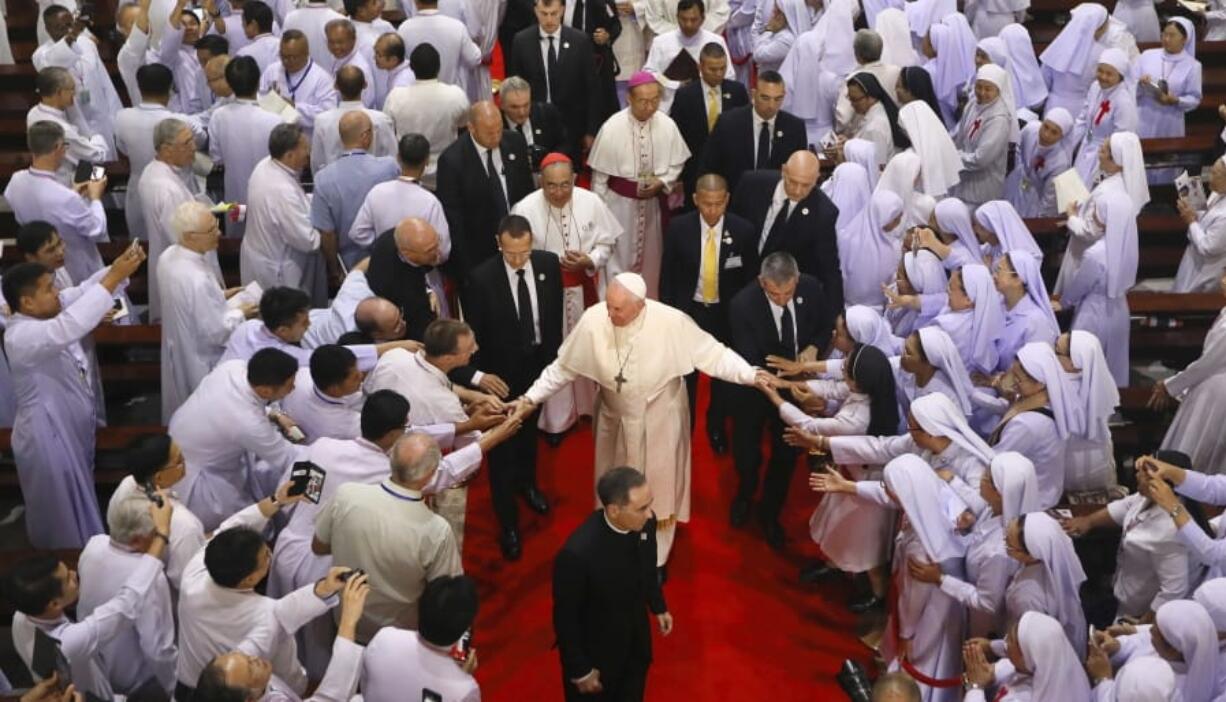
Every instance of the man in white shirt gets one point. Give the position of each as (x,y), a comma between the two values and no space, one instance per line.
(178,53)
(196,319)
(43,588)
(219,608)
(387,531)
(387,204)
(143,651)
(299,78)
(402,664)
(367,18)
(327,395)
(458,54)
(238,134)
(327,142)
(673,58)
(258,25)
(224,420)
(429,107)
(392,68)
(96,97)
(57,94)
(343,45)
(310,19)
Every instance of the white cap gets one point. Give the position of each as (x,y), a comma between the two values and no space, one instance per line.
(633,283)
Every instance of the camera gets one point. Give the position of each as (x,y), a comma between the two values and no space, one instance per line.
(855,682)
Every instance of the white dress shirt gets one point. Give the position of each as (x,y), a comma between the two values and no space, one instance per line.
(776,205)
(399,664)
(498,168)
(1152,565)
(319,414)
(186,531)
(557,51)
(434,109)
(513,279)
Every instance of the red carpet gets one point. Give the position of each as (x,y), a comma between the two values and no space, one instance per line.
(745,628)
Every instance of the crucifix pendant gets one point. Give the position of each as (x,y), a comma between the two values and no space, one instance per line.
(620,380)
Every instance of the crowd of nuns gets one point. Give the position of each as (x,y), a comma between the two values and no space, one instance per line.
(954,415)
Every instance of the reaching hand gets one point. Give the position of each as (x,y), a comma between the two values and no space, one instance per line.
(924,572)
(976,665)
(161,515)
(1076,526)
(331,583)
(353,602)
(795,436)
(1160,399)
(1186,213)
(494,385)
(831,481)
(786,366)
(1098,665)
(1163,470)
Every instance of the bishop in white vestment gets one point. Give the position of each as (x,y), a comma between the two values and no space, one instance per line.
(639,352)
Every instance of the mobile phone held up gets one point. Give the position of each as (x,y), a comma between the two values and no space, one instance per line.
(307,479)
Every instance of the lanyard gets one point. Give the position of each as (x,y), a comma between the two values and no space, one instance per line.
(398,496)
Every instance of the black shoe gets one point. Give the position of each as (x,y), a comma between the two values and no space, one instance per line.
(739,513)
(816,571)
(870,602)
(536,500)
(554,440)
(509,542)
(774,535)
(662,574)
(717,438)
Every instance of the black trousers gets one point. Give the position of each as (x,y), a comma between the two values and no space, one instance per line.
(753,414)
(512,470)
(713,320)
(628,687)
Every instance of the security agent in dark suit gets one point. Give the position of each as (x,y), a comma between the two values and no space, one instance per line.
(603,579)
(789,213)
(699,103)
(513,302)
(480,178)
(783,315)
(539,123)
(759,135)
(704,293)
(569,81)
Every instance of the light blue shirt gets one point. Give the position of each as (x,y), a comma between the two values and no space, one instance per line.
(340,190)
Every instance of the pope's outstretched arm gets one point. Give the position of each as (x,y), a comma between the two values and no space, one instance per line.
(716,360)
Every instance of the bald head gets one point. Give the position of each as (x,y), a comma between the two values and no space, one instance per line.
(415,456)
(215,74)
(800,175)
(356,130)
(379,319)
(417,241)
(485,124)
(896,687)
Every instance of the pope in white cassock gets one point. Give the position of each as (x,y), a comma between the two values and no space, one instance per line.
(636,163)
(639,351)
(578,227)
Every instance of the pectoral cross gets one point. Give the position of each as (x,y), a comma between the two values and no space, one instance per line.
(620,380)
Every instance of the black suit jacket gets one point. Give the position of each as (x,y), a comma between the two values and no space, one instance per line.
(689,111)
(730,149)
(548,132)
(403,284)
(808,235)
(603,585)
(754,335)
(464,190)
(489,307)
(683,242)
(575,92)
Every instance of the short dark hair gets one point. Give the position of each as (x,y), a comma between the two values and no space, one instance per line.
(211,686)
(442,337)
(52,11)
(515,226)
(383,411)
(270,368)
(215,44)
(424,62)
(154,79)
(280,306)
(413,150)
(770,77)
(148,455)
(352,6)
(259,12)
(447,609)
(683,5)
(43,137)
(615,485)
(233,555)
(34,235)
(50,80)
(394,45)
(330,365)
(350,82)
(293,35)
(283,139)
(31,584)
(21,280)
(712,50)
(243,76)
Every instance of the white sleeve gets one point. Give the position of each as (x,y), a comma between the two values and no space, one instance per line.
(455,468)
(340,680)
(551,380)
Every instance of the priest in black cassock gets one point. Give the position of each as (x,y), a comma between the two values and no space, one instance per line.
(604,579)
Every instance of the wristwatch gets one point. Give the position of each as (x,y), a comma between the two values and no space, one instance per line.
(1175,511)
(160,535)
(969,684)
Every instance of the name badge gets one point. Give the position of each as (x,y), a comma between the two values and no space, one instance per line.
(733,262)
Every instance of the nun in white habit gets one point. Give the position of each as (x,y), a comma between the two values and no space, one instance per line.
(1199,388)
(1143,679)
(918,294)
(1070,60)
(1001,230)
(1029,89)
(1049,580)
(987,128)
(849,189)
(930,364)
(922,15)
(1040,664)
(875,115)
(869,250)
(864,152)
(857,325)
(1184,635)
(1140,17)
(1212,596)
(974,317)
(902,176)
(951,63)
(1160,111)
(1203,260)
(954,238)
(1089,460)
(891,23)
(816,66)
(930,140)
(771,48)
(1010,489)
(1110,107)
(1045,150)
(1028,314)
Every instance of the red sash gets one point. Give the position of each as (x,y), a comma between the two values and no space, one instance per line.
(571,279)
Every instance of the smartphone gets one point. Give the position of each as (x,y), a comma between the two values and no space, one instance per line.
(98,173)
(351,573)
(463,647)
(84,172)
(121,309)
(428,695)
(152,494)
(48,659)
(307,479)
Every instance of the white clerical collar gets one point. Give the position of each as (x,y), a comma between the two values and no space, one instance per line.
(53,110)
(611,526)
(352,104)
(683,40)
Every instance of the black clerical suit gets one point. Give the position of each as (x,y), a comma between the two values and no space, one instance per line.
(730,150)
(508,349)
(576,92)
(680,279)
(544,132)
(808,234)
(604,585)
(470,201)
(689,111)
(755,335)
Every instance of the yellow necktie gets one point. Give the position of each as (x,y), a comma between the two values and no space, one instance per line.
(712,107)
(710,269)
